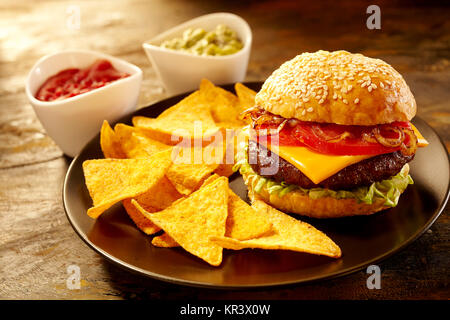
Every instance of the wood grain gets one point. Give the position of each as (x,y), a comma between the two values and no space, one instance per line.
(37,244)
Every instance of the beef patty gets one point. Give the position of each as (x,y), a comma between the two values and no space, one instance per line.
(363,173)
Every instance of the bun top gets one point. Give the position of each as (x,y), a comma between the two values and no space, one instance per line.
(337,87)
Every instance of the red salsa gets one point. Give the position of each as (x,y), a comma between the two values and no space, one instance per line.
(72,82)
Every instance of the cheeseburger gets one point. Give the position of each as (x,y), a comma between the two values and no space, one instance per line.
(336,128)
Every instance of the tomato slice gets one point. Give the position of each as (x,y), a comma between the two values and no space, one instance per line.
(333,139)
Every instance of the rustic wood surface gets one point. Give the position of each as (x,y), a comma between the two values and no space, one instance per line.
(36,241)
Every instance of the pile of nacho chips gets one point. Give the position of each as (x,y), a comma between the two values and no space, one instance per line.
(171,175)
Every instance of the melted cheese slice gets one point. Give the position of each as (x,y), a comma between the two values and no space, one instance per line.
(316,166)
(421,141)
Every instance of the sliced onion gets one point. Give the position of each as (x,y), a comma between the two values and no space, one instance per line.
(389,142)
(244,115)
(344,135)
(281,126)
(259,117)
(319,133)
(411,148)
(368,137)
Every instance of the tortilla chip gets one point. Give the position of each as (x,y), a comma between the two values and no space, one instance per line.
(246,96)
(161,198)
(224,170)
(155,199)
(193,165)
(110,143)
(210,179)
(209,87)
(141,221)
(223,105)
(112,180)
(135,144)
(192,221)
(243,221)
(190,118)
(289,234)
(164,241)
(188,177)
(155,135)
(226,167)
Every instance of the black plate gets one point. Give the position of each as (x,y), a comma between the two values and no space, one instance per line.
(364,240)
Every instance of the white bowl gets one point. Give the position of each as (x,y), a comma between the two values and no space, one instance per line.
(180,71)
(72,122)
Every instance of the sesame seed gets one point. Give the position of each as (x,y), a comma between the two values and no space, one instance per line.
(335,96)
(369,88)
(303,112)
(310,109)
(364,84)
(381,84)
(356,101)
(345,101)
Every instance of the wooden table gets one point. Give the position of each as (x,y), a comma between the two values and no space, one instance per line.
(36,241)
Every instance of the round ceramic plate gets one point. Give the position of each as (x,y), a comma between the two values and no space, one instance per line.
(364,240)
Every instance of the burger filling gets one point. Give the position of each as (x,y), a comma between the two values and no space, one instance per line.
(362,173)
(377,166)
(389,190)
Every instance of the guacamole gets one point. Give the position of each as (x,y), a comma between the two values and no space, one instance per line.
(221,41)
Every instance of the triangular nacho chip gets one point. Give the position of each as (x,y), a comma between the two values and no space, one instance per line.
(223,104)
(211,90)
(135,144)
(112,180)
(141,221)
(289,234)
(164,241)
(188,177)
(193,165)
(190,118)
(109,143)
(246,96)
(155,199)
(243,221)
(192,221)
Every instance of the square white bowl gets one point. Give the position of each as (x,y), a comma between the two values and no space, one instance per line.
(180,71)
(72,122)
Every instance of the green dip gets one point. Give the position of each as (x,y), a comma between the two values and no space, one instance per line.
(221,41)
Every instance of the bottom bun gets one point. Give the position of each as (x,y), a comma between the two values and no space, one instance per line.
(326,207)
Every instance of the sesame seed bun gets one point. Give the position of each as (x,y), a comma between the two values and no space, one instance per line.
(337,87)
